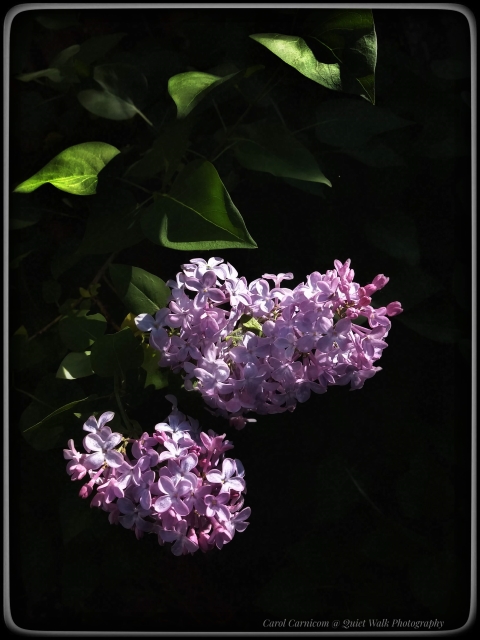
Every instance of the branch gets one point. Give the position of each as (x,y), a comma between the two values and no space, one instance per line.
(76,302)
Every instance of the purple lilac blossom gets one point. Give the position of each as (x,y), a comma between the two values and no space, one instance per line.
(176,483)
(251,348)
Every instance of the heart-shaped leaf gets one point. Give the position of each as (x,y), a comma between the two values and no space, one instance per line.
(51,74)
(22,216)
(140,291)
(122,86)
(294,51)
(97,47)
(56,71)
(187,89)
(165,154)
(75,170)
(198,214)
(80,331)
(75,365)
(350,122)
(112,223)
(155,376)
(272,149)
(52,422)
(345,46)
(116,353)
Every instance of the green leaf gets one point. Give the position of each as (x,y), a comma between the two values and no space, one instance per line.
(58,69)
(155,376)
(272,149)
(75,365)
(116,353)
(22,216)
(97,47)
(197,214)
(74,170)
(106,105)
(140,291)
(314,188)
(51,74)
(187,89)
(350,123)
(345,38)
(121,85)
(165,154)
(112,224)
(53,420)
(80,331)
(49,394)
(252,324)
(376,154)
(294,51)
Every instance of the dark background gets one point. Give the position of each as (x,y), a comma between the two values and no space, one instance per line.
(360,500)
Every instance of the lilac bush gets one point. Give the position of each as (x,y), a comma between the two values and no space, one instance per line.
(176,483)
(249,347)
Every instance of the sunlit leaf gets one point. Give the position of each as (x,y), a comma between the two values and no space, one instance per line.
(74,170)
(106,105)
(294,51)
(140,291)
(75,365)
(156,377)
(347,50)
(270,148)
(187,89)
(129,321)
(80,331)
(116,353)
(197,214)
(122,86)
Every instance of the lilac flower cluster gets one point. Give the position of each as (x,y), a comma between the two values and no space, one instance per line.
(253,347)
(176,483)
